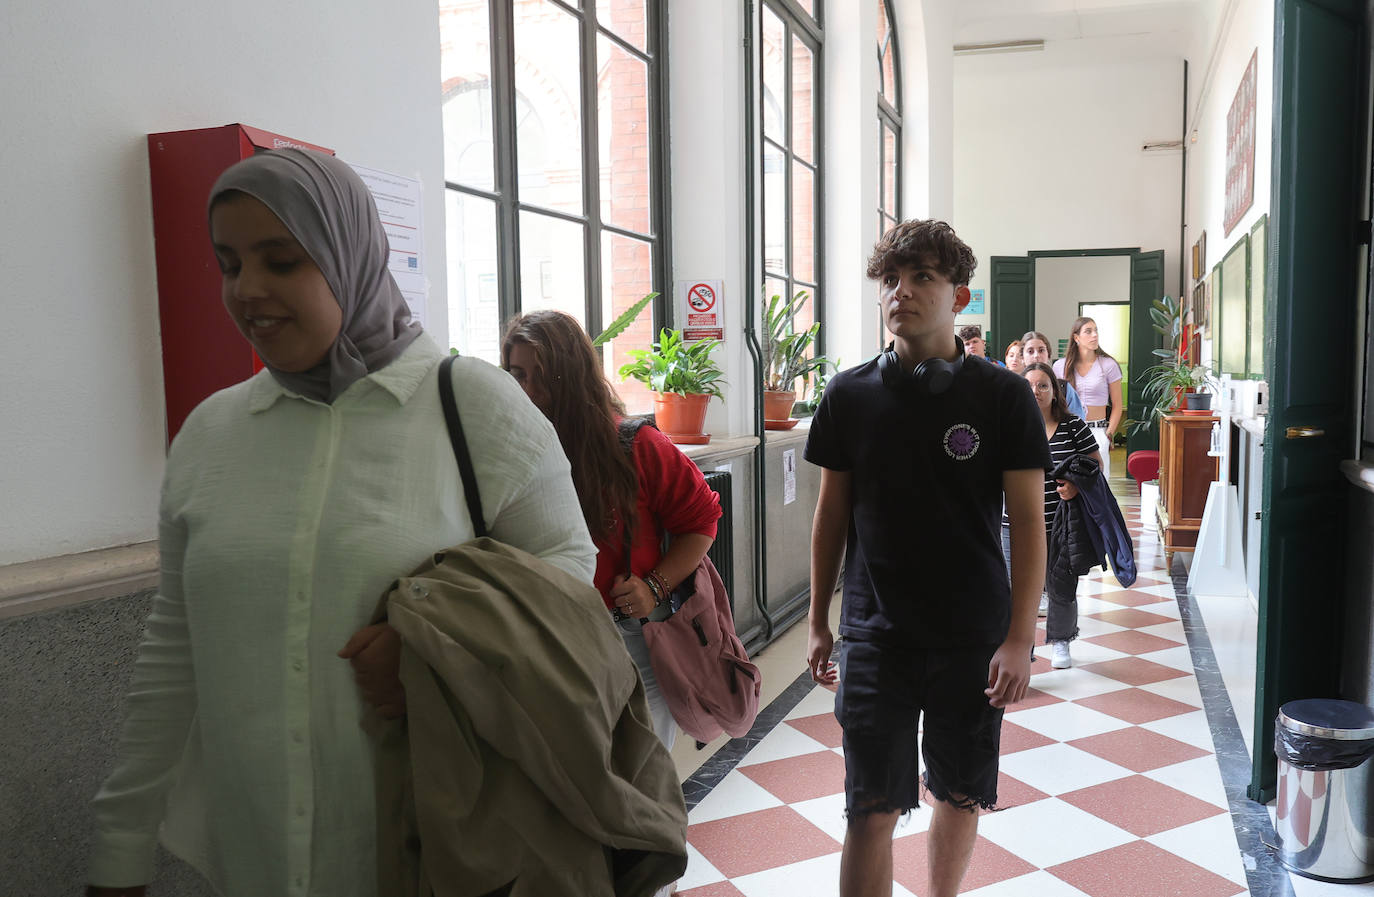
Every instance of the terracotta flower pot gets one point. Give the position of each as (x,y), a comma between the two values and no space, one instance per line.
(681,418)
(777,409)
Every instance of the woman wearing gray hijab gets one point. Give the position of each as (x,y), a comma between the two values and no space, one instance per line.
(290,502)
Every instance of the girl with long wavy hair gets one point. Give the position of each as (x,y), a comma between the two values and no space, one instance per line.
(1097,377)
(640,484)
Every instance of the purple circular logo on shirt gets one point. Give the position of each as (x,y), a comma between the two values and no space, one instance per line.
(961,442)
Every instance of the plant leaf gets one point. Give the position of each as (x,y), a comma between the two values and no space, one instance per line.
(620,324)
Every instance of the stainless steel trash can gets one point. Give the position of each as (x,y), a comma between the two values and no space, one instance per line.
(1324,803)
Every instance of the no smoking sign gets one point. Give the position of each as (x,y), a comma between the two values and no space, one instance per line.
(699,309)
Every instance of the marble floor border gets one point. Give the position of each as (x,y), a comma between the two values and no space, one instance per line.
(709,775)
(1264,875)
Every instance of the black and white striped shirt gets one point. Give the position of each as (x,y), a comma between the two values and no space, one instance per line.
(1071,437)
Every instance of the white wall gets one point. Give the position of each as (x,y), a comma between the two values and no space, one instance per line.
(935,156)
(1062,283)
(1047,152)
(707,105)
(851,185)
(925,33)
(80,364)
(1238,29)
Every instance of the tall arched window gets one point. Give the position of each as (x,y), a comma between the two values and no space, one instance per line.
(889,120)
(554,150)
(789,60)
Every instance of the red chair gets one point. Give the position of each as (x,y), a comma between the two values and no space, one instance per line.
(1143,466)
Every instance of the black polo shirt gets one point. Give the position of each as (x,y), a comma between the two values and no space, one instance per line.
(924,564)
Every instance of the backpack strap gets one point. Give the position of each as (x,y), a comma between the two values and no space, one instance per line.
(460,446)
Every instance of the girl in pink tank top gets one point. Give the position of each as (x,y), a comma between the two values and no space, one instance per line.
(1097,377)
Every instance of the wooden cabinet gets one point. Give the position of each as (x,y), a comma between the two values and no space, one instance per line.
(1186,473)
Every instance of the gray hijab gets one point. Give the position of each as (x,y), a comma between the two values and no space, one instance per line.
(326,206)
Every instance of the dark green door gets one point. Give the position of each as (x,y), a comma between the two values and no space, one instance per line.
(1312,289)
(1013,301)
(1147,285)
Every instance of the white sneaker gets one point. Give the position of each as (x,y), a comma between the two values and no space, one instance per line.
(1044,604)
(1060,659)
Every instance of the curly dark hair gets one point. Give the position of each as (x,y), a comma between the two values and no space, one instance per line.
(923,241)
(584,411)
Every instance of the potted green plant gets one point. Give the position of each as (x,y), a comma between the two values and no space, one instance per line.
(683,377)
(1175,375)
(785,359)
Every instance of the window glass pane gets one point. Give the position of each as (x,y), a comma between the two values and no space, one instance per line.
(774,286)
(623,101)
(890,74)
(551,271)
(884,40)
(474,316)
(465,67)
(803,222)
(626,18)
(803,100)
(882,163)
(626,276)
(805,315)
(889,171)
(774,209)
(808,5)
(549,126)
(774,77)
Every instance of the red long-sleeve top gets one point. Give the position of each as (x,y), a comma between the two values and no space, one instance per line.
(673,498)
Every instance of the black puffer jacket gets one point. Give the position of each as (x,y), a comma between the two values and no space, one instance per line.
(1072,552)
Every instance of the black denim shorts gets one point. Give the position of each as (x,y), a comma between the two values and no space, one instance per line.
(884,691)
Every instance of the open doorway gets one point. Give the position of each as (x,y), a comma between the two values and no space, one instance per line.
(1113,321)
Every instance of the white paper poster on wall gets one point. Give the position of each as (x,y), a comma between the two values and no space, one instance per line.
(400,207)
(789,476)
(415,290)
(398,200)
(699,308)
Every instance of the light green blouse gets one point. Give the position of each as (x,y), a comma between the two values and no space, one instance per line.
(282,522)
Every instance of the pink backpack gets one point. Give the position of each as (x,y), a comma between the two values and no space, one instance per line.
(701,666)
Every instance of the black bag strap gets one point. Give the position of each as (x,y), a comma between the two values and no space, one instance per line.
(460,446)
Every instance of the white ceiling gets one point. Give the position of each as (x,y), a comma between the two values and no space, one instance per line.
(991,21)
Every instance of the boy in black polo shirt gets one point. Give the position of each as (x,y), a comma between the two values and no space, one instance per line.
(918,448)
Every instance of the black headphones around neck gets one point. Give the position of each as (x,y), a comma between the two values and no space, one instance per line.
(932,376)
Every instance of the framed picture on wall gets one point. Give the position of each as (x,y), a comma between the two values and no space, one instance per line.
(1233,300)
(1259,269)
(1200,309)
(1200,257)
(1240,148)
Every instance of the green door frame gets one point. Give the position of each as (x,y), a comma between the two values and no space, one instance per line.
(1318,140)
(1140,319)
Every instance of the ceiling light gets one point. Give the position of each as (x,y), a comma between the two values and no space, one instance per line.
(1006,46)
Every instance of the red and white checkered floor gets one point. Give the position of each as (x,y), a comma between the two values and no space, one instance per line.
(1109,785)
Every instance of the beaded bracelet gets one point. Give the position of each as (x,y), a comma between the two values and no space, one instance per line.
(654,589)
(662,583)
